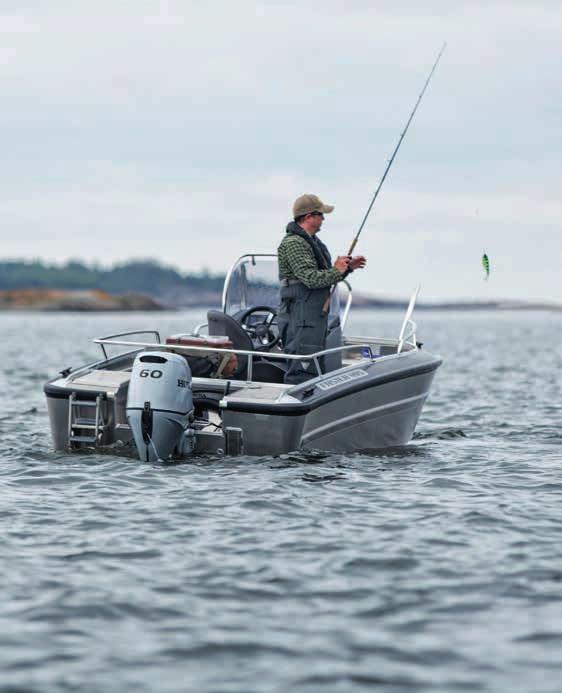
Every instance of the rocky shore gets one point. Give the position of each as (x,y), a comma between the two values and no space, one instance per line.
(74,300)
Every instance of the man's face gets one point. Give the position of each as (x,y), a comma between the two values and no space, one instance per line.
(316,219)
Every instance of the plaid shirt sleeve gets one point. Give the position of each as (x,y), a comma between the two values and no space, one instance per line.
(297,261)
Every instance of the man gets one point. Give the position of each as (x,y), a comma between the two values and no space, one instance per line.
(307,276)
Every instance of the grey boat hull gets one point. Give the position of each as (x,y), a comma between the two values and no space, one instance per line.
(375,404)
(369,404)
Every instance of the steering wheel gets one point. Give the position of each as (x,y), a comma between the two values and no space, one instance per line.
(261,331)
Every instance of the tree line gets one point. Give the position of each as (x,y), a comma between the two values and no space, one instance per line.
(142,276)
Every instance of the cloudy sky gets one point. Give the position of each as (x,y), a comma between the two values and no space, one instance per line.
(182,131)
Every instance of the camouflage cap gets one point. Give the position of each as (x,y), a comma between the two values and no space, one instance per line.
(305,204)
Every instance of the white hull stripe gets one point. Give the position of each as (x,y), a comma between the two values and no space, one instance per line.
(334,426)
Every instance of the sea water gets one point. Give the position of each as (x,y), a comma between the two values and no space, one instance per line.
(433,567)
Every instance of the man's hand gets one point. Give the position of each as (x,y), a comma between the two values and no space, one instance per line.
(357,262)
(342,263)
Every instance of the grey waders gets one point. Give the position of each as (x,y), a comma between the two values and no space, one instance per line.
(303,327)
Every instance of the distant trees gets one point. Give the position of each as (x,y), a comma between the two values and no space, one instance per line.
(140,276)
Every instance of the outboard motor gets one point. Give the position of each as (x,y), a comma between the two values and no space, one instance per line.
(160,404)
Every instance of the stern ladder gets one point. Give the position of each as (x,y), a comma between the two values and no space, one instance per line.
(82,429)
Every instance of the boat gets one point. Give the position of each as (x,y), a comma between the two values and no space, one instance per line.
(220,390)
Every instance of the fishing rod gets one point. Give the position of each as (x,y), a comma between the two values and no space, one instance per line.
(326,306)
(354,242)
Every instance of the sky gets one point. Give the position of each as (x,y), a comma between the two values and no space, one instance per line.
(182,131)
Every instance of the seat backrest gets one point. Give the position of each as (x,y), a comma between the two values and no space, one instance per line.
(220,323)
(268,372)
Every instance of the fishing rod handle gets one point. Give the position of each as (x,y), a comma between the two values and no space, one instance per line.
(326,305)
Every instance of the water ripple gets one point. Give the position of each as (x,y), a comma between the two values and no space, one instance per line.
(429,567)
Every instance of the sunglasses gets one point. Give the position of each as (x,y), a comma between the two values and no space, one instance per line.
(317,214)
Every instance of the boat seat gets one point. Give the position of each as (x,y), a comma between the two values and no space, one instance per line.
(269,371)
(220,323)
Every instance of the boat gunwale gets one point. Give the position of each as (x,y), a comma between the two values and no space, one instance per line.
(298,407)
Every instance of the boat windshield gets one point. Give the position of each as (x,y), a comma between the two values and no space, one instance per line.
(254,281)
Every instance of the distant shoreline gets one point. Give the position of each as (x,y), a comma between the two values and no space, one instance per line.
(61,300)
(146,285)
(465,306)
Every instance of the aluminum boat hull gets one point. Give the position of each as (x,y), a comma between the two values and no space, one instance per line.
(377,408)
(371,404)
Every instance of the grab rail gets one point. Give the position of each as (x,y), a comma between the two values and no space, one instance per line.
(405,339)
(102,341)
(408,323)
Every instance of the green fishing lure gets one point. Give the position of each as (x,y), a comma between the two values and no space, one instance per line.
(486,265)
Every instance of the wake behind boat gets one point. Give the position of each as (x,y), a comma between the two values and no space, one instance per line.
(224,391)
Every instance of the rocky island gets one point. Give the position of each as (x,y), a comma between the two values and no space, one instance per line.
(74,300)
